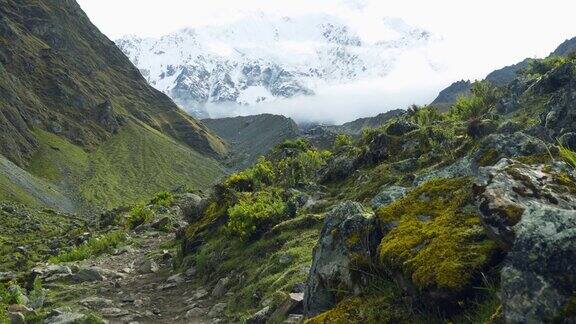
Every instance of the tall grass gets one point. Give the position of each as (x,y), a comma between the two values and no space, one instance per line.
(567,155)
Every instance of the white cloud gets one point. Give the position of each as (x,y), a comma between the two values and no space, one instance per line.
(478,37)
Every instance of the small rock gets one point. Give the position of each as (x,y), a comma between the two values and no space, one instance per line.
(113,312)
(285,258)
(15,308)
(65,318)
(261,316)
(195,312)
(147,266)
(190,272)
(96,302)
(17,318)
(138,303)
(88,275)
(175,279)
(294,319)
(220,288)
(217,310)
(198,294)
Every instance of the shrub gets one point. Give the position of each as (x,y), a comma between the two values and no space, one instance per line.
(299,144)
(302,167)
(261,173)
(424,116)
(139,214)
(342,140)
(483,96)
(94,247)
(255,211)
(163,199)
(538,67)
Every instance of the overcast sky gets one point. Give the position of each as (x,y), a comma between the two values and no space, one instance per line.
(479,36)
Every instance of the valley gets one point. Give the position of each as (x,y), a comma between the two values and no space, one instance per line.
(116,206)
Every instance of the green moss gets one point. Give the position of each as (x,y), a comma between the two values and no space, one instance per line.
(535,159)
(489,157)
(365,309)
(437,241)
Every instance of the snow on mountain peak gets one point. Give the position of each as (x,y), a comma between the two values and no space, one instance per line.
(261,58)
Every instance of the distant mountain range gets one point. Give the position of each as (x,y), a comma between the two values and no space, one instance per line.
(261,58)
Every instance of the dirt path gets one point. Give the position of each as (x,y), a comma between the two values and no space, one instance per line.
(135,291)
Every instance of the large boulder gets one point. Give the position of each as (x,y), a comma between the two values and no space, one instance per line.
(508,188)
(348,238)
(497,146)
(531,211)
(539,274)
(338,168)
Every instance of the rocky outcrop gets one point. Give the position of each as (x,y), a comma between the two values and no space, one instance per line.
(349,237)
(531,211)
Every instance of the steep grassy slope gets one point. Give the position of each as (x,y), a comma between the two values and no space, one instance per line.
(135,163)
(252,136)
(20,186)
(76,112)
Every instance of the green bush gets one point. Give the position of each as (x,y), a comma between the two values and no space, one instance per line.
(538,67)
(299,144)
(94,247)
(483,96)
(255,211)
(261,174)
(163,199)
(424,116)
(302,167)
(139,214)
(342,140)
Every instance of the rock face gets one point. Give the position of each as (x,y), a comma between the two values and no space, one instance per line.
(349,235)
(531,211)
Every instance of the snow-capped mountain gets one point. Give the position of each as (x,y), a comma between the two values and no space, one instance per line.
(262,58)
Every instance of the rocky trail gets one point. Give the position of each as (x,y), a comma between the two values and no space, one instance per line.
(134,284)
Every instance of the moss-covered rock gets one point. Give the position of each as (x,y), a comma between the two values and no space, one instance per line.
(436,238)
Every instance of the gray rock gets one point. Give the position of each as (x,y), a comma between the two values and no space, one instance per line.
(196,312)
(65,317)
(337,168)
(285,258)
(220,288)
(460,168)
(292,302)
(508,146)
(146,266)
(348,232)
(539,276)
(87,275)
(96,302)
(191,272)
(260,317)
(191,206)
(508,188)
(217,310)
(176,279)
(533,215)
(388,195)
(51,272)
